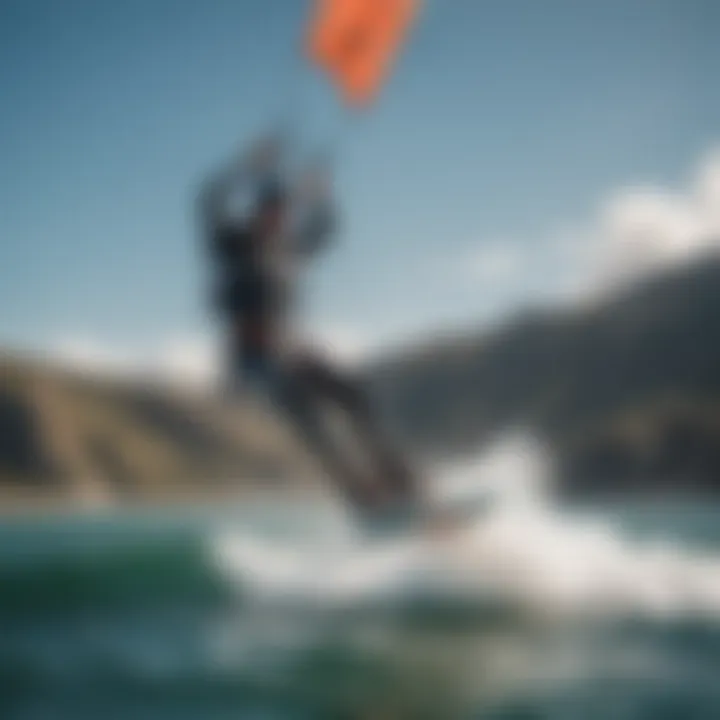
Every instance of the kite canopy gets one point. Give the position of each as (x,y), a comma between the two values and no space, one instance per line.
(355,41)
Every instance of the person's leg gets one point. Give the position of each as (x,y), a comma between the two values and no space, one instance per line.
(257,368)
(299,405)
(327,383)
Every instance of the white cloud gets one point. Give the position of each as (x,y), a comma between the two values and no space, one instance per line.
(191,360)
(636,231)
(91,356)
(195,360)
(345,343)
(642,229)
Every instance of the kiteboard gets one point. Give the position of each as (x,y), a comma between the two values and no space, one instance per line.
(437,517)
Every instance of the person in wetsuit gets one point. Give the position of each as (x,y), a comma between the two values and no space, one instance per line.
(256,258)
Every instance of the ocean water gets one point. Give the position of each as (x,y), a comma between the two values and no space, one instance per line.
(266,610)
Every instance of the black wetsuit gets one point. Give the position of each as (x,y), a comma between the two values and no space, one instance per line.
(254,295)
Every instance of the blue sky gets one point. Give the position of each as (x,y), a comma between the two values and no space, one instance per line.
(504,122)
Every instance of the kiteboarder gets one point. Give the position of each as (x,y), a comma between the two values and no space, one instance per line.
(257,254)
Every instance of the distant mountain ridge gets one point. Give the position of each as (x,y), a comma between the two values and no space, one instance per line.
(626,392)
(69,437)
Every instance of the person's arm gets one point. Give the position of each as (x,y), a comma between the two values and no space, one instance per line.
(214,194)
(245,168)
(316,230)
(318,220)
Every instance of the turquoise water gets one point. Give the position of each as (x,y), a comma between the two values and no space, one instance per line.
(279,612)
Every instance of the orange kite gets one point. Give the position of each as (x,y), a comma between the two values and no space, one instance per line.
(357,40)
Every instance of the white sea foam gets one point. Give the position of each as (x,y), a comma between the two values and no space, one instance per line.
(522,551)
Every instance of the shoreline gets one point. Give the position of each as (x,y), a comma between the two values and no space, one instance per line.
(17,506)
